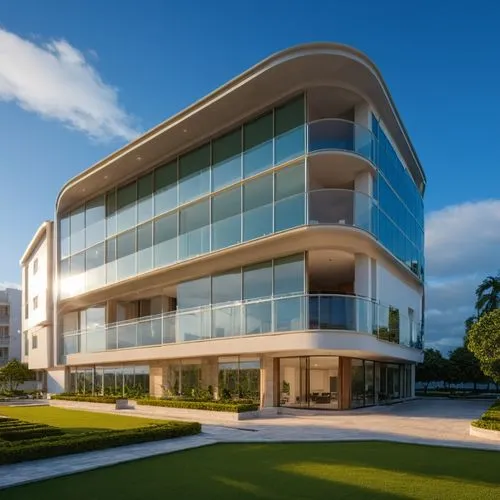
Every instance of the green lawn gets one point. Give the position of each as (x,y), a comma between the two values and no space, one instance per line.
(359,470)
(74,420)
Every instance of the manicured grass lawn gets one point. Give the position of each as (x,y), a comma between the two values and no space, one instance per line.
(360,470)
(74,420)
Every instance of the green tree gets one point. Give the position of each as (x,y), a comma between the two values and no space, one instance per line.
(465,367)
(488,295)
(432,369)
(484,341)
(13,374)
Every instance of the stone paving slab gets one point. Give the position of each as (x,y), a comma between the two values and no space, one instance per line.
(37,470)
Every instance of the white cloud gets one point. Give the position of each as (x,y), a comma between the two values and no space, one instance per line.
(55,81)
(463,239)
(462,247)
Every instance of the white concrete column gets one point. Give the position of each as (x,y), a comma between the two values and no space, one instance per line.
(210,375)
(362,114)
(267,382)
(156,372)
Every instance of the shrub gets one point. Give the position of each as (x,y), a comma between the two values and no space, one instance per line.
(78,443)
(30,433)
(88,399)
(490,419)
(200,405)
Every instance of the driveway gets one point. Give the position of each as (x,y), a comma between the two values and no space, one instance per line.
(441,422)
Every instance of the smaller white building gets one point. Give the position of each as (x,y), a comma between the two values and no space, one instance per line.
(37,323)
(10,324)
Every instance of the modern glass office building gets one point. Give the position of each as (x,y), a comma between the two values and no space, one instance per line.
(266,242)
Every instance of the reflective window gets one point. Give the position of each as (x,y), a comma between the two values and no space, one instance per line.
(193,293)
(77,229)
(145,247)
(77,269)
(226,219)
(226,287)
(258,281)
(125,253)
(194,230)
(95,221)
(94,258)
(111,213)
(165,197)
(126,207)
(289,130)
(111,260)
(226,160)
(289,195)
(165,240)
(258,208)
(289,275)
(258,318)
(194,174)
(258,145)
(145,198)
(64,237)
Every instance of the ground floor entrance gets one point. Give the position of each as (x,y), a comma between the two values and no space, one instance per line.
(336,382)
(314,382)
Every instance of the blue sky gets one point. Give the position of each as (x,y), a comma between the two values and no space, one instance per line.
(122,67)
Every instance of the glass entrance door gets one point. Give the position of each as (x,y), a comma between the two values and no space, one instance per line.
(310,382)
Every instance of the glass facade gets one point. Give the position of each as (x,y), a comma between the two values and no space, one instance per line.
(234,377)
(216,196)
(127,380)
(156,220)
(401,209)
(318,382)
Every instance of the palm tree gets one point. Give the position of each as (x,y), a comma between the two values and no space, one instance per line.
(488,295)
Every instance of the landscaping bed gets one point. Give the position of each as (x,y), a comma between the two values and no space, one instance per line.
(47,432)
(222,406)
(490,419)
(89,399)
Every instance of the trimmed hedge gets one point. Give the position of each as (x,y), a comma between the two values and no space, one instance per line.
(87,399)
(33,433)
(199,405)
(79,443)
(490,419)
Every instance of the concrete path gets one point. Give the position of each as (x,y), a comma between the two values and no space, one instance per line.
(433,422)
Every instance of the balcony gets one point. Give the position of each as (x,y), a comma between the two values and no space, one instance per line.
(257,317)
(334,134)
(4,341)
(4,319)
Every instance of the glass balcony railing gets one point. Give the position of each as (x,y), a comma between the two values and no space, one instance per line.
(337,134)
(4,341)
(342,206)
(256,317)
(4,318)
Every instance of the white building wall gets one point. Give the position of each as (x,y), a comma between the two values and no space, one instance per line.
(37,309)
(12,297)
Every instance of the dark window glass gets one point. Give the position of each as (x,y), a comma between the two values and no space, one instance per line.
(194,174)
(165,240)
(165,197)
(258,208)
(258,145)
(258,281)
(145,198)
(226,219)
(226,160)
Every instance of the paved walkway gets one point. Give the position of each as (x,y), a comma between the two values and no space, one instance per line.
(434,422)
